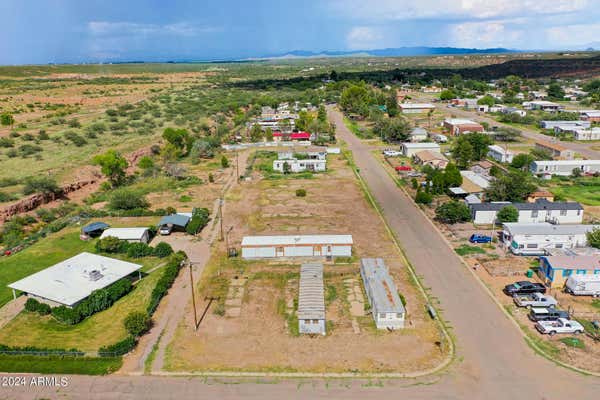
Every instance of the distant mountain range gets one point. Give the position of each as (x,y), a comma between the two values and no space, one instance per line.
(389,52)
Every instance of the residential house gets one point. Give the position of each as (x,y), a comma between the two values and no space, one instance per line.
(431,158)
(538,94)
(587,134)
(415,108)
(71,281)
(514,110)
(563,167)
(555,270)
(540,194)
(543,105)
(483,167)
(304,152)
(564,124)
(410,149)
(466,103)
(296,246)
(300,165)
(591,116)
(556,150)
(541,238)
(311,300)
(418,135)
(457,126)
(500,154)
(538,211)
(131,235)
(386,306)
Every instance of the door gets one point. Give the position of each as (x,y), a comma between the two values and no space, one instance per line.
(317,251)
(279,251)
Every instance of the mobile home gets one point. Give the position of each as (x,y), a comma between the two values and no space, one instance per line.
(311,300)
(386,307)
(541,238)
(297,246)
(557,270)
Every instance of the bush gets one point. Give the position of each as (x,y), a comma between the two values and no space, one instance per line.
(111,244)
(300,192)
(508,214)
(453,212)
(163,250)
(211,178)
(167,278)
(40,184)
(119,348)
(423,197)
(224,162)
(137,323)
(127,199)
(198,221)
(138,250)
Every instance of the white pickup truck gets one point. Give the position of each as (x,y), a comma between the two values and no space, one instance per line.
(392,153)
(561,325)
(534,300)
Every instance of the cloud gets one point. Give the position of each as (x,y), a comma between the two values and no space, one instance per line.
(573,35)
(363,37)
(108,28)
(484,34)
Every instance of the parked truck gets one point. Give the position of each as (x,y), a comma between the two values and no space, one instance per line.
(534,300)
(561,325)
(583,285)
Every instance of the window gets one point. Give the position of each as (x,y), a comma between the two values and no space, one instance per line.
(563,213)
(534,213)
(567,272)
(279,249)
(315,321)
(398,315)
(381,316)
(578,212)
(532,245)
(597,271)
(559,245)
(581,272)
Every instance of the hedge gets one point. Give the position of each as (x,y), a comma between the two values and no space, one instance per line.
(32,305)
(198,221)
(30,349)
(118,349)
(164,283)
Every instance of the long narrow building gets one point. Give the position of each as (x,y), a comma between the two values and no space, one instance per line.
(311,301)
(386,306)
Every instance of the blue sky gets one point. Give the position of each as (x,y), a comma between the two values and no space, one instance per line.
(92,30)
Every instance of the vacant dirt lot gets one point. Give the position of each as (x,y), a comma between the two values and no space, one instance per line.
(260,335)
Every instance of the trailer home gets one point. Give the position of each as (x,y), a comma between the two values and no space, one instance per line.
(386,307)
(311,300)
(540,238)
(297,246)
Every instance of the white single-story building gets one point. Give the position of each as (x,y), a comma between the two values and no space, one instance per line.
(418,135)
(564,167)
(564,124)
(500,154)
(310,152)
(410,149)
(541,238)
(317,165)
(311,300)
(414,108)
(297,246)
(586,134)
(131,235)
(386,307)
(73,280)
(543,105)
(539,211)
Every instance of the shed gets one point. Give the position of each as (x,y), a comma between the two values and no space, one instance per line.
(386,307)
(131,235)
(297,246)
(179,221)
(94,229)
(311,300)
(72,280)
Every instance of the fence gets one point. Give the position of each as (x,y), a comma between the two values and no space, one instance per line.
(60,353)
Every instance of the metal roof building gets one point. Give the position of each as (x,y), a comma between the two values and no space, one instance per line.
(297,246)
(128,234)
(311,301)
(72,280)
(181,220)
(386,306)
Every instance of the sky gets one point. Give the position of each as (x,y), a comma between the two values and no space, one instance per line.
(46,31)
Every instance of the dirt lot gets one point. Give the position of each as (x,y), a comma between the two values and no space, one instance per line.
(255,336)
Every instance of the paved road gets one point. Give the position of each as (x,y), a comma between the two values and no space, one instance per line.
(493,359)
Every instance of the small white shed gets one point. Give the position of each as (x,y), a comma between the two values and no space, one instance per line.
(131,235)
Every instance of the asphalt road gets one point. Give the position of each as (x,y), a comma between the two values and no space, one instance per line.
(493,361)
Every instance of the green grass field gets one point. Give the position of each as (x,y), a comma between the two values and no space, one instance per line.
(60,365)
(588,194)
(103,328)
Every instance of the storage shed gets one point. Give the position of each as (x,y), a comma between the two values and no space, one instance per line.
(94,229)
(297,246)
(386,307)
(132,235)
(72,280)
(311,301)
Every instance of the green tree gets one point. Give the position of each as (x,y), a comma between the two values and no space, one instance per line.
(514,186)
(391,104)
(522,161)
(137,323)
(286,167)
(356,99)
(423,197)
(576,173)
(452,176)
(113,165)
(322,114)
(224,162)
(508,214)
(256,133)
(555,91)
(392,129)
(593,238)
(304,120)
(40,184)
(180,138)
(486,100)
(269,135)
(127,199)
(462,151)
(7,119)
(146,163)
(452,212)
(480,143)
(447,94)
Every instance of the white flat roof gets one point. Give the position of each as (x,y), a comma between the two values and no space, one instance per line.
(124,233)
(296,240)
(311,302)
(416,105)
(422,145)
(566,162)
(476,178)
(460,121)
(545,228)
(74,279)
(498,149)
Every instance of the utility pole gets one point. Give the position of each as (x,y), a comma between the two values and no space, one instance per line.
(221,217)
(237,168)
(193,298)
(227,240)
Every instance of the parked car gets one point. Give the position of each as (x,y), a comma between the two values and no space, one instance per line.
(165,230)
(414,174)
(583,285)
(475,238)
(561,325)
(547,314)
(400,168)
(524,287)
(392,153)
(534,300)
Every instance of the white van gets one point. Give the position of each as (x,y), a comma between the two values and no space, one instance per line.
(582,285)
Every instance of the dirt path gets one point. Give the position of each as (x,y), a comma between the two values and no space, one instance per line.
(11,310)
(175,305)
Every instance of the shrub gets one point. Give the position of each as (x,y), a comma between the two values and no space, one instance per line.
(45,215)
(300,192)
(137,323)
(40,184)
(118,349)
(198,221)
(453,212)
(508,214)
(163,250)
(42,135)
(167,278)
(111,244)
(138,250)
(75,138)
(211,178)
(224,162)
(127,199)
(31,305)
(423,197)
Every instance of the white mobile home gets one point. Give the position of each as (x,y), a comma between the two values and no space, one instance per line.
(313,165)
(308,152)
(297,246)
(410,149)
(541,210)
(564,167)
(540,238)
(131,235)
(386,307)
(73,280)
(500,154)
(564,124)
(415,108)
(586,134)
(311,300)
